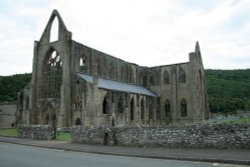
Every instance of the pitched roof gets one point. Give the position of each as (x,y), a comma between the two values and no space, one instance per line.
(118,86)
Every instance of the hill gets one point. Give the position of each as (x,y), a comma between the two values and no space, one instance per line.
(228,90)
(11,85)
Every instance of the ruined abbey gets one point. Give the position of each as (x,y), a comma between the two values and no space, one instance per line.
(73,84)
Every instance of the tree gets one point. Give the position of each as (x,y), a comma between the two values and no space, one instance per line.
(247,107)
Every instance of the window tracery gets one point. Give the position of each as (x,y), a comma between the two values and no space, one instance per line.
(53,75)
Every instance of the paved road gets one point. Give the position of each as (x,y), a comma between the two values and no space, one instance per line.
(28,156)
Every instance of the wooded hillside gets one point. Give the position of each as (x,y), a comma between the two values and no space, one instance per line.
(228,90)
(10,85)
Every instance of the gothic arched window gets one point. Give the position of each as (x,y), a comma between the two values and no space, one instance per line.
(151,80)
(183,107)
(142,110)
(105,106)
(182,76)
(132,109)
(82,63)
(53,75)
(167,108)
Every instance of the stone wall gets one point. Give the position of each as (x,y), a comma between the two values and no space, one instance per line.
(7,114)
(192,136)
(41,132)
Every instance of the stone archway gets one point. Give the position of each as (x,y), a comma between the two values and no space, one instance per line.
(50,115)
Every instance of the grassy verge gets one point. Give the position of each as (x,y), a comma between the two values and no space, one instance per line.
(239,121)
(12,132)
(63,137)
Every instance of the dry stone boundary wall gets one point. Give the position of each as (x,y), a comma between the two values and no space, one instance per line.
(192,136)
(40,132)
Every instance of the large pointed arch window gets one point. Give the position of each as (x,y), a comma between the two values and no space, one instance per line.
(53,75)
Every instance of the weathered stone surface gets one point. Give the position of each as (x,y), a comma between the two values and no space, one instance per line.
(66,89)
(41,132)
(192,136)
(7,114)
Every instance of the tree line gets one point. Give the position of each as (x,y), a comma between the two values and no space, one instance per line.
(11,85)
(228,90)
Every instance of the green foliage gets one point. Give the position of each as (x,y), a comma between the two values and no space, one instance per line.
(8,132)
(247,107)
(228,90)
(238,121)
(64,137)
(11,85)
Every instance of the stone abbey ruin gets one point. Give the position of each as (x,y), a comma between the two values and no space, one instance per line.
(73,84)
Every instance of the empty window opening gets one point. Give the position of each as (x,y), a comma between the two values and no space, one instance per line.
(183,108)
(78,121)
(167,108)
(142,110)
(132,109)
(54,32)
(151,80)
(182,76)
(105,106)
(82,63)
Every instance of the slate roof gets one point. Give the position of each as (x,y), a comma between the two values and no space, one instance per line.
(118,86)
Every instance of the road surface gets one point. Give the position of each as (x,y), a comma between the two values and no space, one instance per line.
(26,156)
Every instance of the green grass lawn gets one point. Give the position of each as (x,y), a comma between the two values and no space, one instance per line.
(63,137)
(12,132)
(239,121)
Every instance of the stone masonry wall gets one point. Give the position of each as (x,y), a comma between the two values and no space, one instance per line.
(192,136)
(41,132)
(7,114)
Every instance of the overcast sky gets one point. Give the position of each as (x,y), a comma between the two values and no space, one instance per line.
(145,32)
